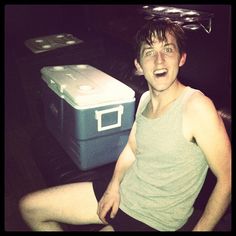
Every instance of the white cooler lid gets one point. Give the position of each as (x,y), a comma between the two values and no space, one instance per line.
(84,85)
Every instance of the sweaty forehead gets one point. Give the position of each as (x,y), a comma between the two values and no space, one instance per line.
(155,38)
(166,37)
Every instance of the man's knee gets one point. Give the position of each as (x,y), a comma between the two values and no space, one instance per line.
(28,206)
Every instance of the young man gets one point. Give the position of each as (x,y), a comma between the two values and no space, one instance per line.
(176,136)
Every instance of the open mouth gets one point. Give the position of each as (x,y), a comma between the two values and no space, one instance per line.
(160,73)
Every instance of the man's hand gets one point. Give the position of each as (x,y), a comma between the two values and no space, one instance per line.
(109,202)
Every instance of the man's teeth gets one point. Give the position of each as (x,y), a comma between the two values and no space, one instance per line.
(160,72)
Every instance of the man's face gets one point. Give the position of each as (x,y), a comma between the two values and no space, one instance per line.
(160,62)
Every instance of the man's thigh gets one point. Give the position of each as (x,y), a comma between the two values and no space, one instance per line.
(71,203)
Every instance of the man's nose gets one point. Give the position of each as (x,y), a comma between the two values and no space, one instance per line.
(159,58)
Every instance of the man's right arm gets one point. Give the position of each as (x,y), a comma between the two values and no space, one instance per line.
(111,197)
(126,158)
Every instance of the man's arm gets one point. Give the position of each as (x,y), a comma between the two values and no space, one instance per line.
(111,198)
(210,134)
(126,157)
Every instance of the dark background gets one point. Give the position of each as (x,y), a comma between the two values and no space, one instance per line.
(112,27)
(208,65)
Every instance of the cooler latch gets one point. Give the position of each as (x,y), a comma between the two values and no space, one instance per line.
(99,114)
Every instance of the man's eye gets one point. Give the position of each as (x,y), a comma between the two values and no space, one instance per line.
(148,53)
(168,50)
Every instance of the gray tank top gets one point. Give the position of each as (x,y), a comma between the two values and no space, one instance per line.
(161,186)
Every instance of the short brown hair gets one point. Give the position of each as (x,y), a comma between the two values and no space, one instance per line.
(159,28)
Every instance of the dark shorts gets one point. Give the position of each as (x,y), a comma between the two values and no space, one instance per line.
(122,221)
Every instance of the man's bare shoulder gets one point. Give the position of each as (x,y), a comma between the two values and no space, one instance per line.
(199,104)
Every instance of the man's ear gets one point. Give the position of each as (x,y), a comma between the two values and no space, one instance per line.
(139,70)
(182,59)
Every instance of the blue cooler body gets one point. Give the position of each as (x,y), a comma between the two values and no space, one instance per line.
(89,112)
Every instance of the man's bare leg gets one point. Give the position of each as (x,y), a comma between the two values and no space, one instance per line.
(72,204)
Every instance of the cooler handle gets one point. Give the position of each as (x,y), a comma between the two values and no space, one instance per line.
(98,117)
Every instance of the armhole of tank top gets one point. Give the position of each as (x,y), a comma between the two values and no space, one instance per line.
(187,96)
(185,99)
(142,103)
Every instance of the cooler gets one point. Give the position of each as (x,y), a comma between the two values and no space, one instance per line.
(89,112)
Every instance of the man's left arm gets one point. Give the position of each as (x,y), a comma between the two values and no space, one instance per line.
(210,134)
